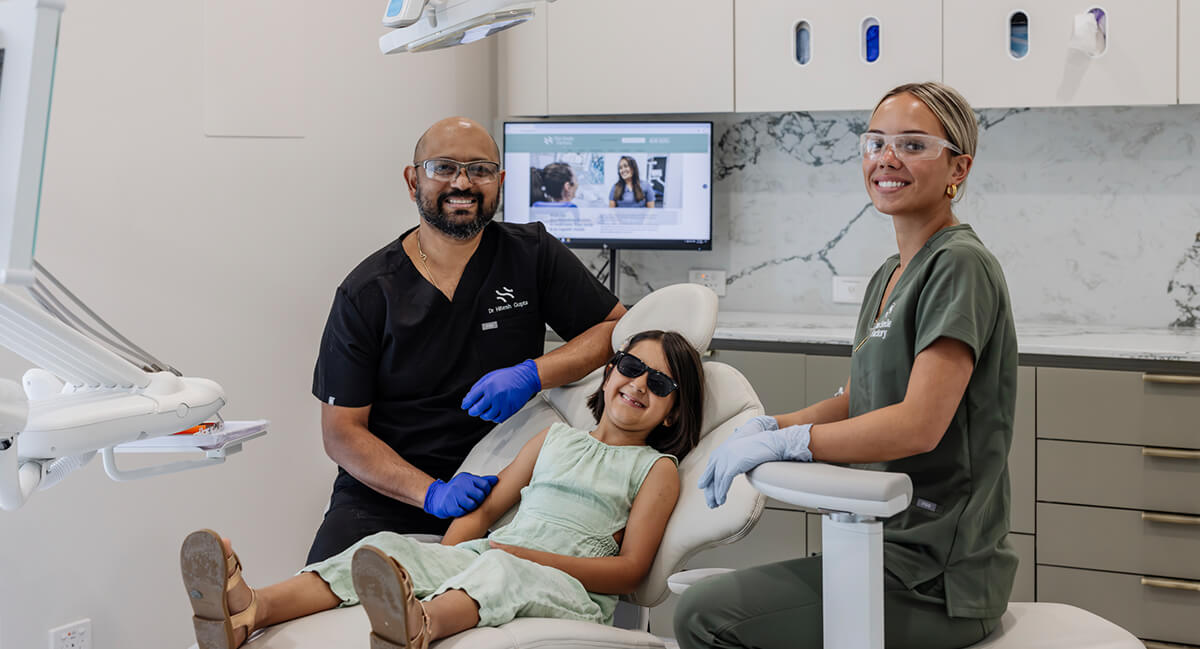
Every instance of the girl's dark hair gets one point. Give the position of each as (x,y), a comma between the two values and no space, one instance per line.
(686,417)
(546,184)
(634,180)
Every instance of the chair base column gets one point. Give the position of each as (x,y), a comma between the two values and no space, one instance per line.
(852,581)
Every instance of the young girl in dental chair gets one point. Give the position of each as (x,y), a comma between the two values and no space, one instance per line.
(594,506)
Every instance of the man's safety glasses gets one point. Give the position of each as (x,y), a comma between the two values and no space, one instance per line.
(632,367)
(480,172)
(906,146)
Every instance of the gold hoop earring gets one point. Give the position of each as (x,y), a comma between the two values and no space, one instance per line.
(952,191)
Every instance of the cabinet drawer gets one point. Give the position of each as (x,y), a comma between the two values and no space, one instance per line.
(777,377)
(1022,462)
(1118,407)
(1111,475)
(1023,587)
(1119,540)
(1151,612)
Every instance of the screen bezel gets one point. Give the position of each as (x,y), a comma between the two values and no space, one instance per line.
(629,244)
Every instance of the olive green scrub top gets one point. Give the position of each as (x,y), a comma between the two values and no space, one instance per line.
(956,526)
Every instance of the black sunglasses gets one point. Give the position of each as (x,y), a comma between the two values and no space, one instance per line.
(632,367)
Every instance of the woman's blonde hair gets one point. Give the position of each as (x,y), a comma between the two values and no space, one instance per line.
(951,110)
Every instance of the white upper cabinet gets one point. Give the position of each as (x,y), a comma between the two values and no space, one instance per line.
(822,55)
(639,56)
(1061,52)
(1189,51)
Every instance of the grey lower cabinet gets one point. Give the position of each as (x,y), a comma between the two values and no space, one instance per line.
(1118,498)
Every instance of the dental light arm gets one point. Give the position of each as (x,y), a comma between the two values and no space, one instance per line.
(422,25)
(83,397)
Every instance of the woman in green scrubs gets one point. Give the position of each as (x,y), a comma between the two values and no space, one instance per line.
(931,393)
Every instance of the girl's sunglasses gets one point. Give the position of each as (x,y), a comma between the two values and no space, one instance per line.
(632,367)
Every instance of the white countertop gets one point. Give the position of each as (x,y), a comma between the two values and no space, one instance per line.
(1157,344)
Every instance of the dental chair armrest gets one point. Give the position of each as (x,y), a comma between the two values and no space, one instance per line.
(834,488)
(682,581)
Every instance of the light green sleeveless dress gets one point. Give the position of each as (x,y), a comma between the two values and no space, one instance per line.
(580,495)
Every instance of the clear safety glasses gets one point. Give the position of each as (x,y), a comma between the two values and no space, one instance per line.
(480,172)
(631,366)
(906,146)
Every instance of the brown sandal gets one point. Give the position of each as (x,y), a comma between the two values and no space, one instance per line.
(386,593)
(208,580)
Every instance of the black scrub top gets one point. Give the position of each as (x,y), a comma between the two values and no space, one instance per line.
(394,342)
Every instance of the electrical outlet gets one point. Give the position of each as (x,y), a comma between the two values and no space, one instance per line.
(76,635)
(714,279)
(848,289)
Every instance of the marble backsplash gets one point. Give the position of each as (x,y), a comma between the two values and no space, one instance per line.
(1093,212)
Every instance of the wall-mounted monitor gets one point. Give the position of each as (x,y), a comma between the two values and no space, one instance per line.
(618,185)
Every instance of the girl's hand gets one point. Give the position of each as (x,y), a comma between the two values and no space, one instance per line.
(514,550)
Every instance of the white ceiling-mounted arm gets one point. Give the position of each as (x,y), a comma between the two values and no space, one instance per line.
(29,40)
(82,397)
(435,24)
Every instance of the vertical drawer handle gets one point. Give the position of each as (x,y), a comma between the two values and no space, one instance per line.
(1171,379)
(1174,584)
(1170,453)
(1173,519)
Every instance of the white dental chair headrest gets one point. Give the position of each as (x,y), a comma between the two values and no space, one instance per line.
(689,309)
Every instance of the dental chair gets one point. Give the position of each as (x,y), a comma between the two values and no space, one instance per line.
(689,309)
(853,503)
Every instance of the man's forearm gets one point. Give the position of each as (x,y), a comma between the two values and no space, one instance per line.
(375,464)
(578,357)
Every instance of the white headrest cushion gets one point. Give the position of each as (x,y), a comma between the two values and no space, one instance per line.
(689,309)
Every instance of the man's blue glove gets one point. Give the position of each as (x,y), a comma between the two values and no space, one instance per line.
(500,393)
(461,495)
(738,455)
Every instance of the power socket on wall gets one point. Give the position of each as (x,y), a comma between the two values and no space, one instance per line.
(76,635)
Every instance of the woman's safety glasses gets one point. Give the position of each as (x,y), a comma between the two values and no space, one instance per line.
(632,367)
(480,172)
(905,146)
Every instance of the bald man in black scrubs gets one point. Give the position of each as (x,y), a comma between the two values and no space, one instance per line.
(438,336)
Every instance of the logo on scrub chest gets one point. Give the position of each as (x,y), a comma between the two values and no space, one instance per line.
(880,330)
(506,299)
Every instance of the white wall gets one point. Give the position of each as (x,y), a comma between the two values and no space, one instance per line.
(219,255)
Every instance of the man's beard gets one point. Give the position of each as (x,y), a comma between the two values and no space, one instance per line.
(434,213)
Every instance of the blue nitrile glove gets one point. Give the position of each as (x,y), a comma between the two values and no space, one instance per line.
(461,495)
(736,456)
(500,393)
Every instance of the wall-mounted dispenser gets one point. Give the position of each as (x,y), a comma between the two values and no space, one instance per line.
(1018,35)
(870,39)
(803,42)
(1089,33)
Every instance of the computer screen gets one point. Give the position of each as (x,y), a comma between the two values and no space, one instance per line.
(644,185)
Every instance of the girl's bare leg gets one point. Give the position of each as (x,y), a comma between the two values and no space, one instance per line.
(451,612)
(289,599)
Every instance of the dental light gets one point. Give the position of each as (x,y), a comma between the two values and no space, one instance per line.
(422,25)
(92,389)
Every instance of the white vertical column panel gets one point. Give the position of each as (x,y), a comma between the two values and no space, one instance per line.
(255,81)
(521,64)
(1189,51)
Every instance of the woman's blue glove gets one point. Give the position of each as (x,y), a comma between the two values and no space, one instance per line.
(500,393)
(738,455)
(461,495)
